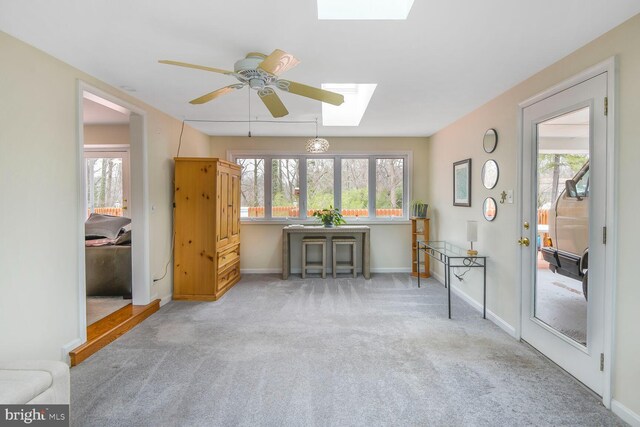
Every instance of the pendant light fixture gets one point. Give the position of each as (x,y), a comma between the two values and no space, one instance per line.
(317,145)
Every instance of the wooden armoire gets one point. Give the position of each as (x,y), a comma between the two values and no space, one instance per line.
(206,257)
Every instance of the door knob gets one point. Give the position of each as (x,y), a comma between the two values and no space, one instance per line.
(523,241)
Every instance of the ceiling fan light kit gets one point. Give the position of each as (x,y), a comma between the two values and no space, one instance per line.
(261,73)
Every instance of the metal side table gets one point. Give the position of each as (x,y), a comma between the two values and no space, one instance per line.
(452,256)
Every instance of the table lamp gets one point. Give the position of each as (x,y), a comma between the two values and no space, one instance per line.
(472,236)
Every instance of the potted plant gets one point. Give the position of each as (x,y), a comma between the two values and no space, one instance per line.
(330,217)
(419,209)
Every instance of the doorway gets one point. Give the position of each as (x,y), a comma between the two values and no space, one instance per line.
(107,220)
(112,181)
(566,206)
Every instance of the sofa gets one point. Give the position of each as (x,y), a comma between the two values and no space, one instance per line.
(34,382)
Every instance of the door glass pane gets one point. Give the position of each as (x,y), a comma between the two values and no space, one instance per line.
(285,188)
(251,188)
(389,187)
(105,186)
(319,184)
(355,187)
(561,288)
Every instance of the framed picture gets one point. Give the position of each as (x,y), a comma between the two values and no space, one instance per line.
(462,183)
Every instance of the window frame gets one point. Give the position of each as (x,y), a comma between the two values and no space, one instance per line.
(407,157)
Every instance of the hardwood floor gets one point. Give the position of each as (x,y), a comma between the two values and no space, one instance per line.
(108,329)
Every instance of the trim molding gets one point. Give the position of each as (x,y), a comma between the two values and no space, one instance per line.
(391,270)
(260,270)
(67,348)
(500,322)
(625,413)
(294,270)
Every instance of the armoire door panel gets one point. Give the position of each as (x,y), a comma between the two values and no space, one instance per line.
(194,208)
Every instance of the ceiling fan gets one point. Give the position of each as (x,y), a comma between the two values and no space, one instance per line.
(261,73)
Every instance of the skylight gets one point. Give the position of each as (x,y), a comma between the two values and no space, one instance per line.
(356,100)
(364,9)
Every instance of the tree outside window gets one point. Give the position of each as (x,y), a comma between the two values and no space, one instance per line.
(355,187)
(285,188)
(319,184)
(252,188)
(389,187)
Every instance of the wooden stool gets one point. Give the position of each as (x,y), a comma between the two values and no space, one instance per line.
(320,241)
(349,265)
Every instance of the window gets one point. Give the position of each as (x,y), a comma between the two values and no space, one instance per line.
(355,187)
(107,182)
(285,189)
(320,192)
(389,187)
(582,186)
(252,188)
(362,186)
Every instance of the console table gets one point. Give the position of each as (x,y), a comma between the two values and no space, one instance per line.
(319,230)
(451,257)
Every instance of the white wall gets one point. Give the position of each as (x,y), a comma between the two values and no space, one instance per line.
(38,191)
(463,139)
(116,134)
(261,245)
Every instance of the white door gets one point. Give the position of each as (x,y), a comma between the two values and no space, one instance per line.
(107,182)
(564,206)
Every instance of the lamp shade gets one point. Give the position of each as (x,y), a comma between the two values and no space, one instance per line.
(472,231)
(317,145)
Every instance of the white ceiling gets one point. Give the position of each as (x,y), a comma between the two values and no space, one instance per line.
(445,60)
(96,114)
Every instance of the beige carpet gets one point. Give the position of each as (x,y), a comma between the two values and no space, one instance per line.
(101,307)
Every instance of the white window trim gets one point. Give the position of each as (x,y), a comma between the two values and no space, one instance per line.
(232,155)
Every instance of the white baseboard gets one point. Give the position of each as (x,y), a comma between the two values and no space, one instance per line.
(260,270)
(502,324)
(625,413)
(297,270)
(67,348)
(392,270)
(165,299)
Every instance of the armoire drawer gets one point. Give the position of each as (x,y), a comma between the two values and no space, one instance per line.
(228,256)
(229,276)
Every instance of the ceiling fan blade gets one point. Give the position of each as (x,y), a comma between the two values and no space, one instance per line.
(278,62)
(216,93)
(198,67)
(272,102)
(310,92)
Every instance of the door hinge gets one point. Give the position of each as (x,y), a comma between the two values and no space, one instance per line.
(606,105)
(602,361)
(604,235)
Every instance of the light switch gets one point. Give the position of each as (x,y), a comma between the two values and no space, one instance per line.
(510,196)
